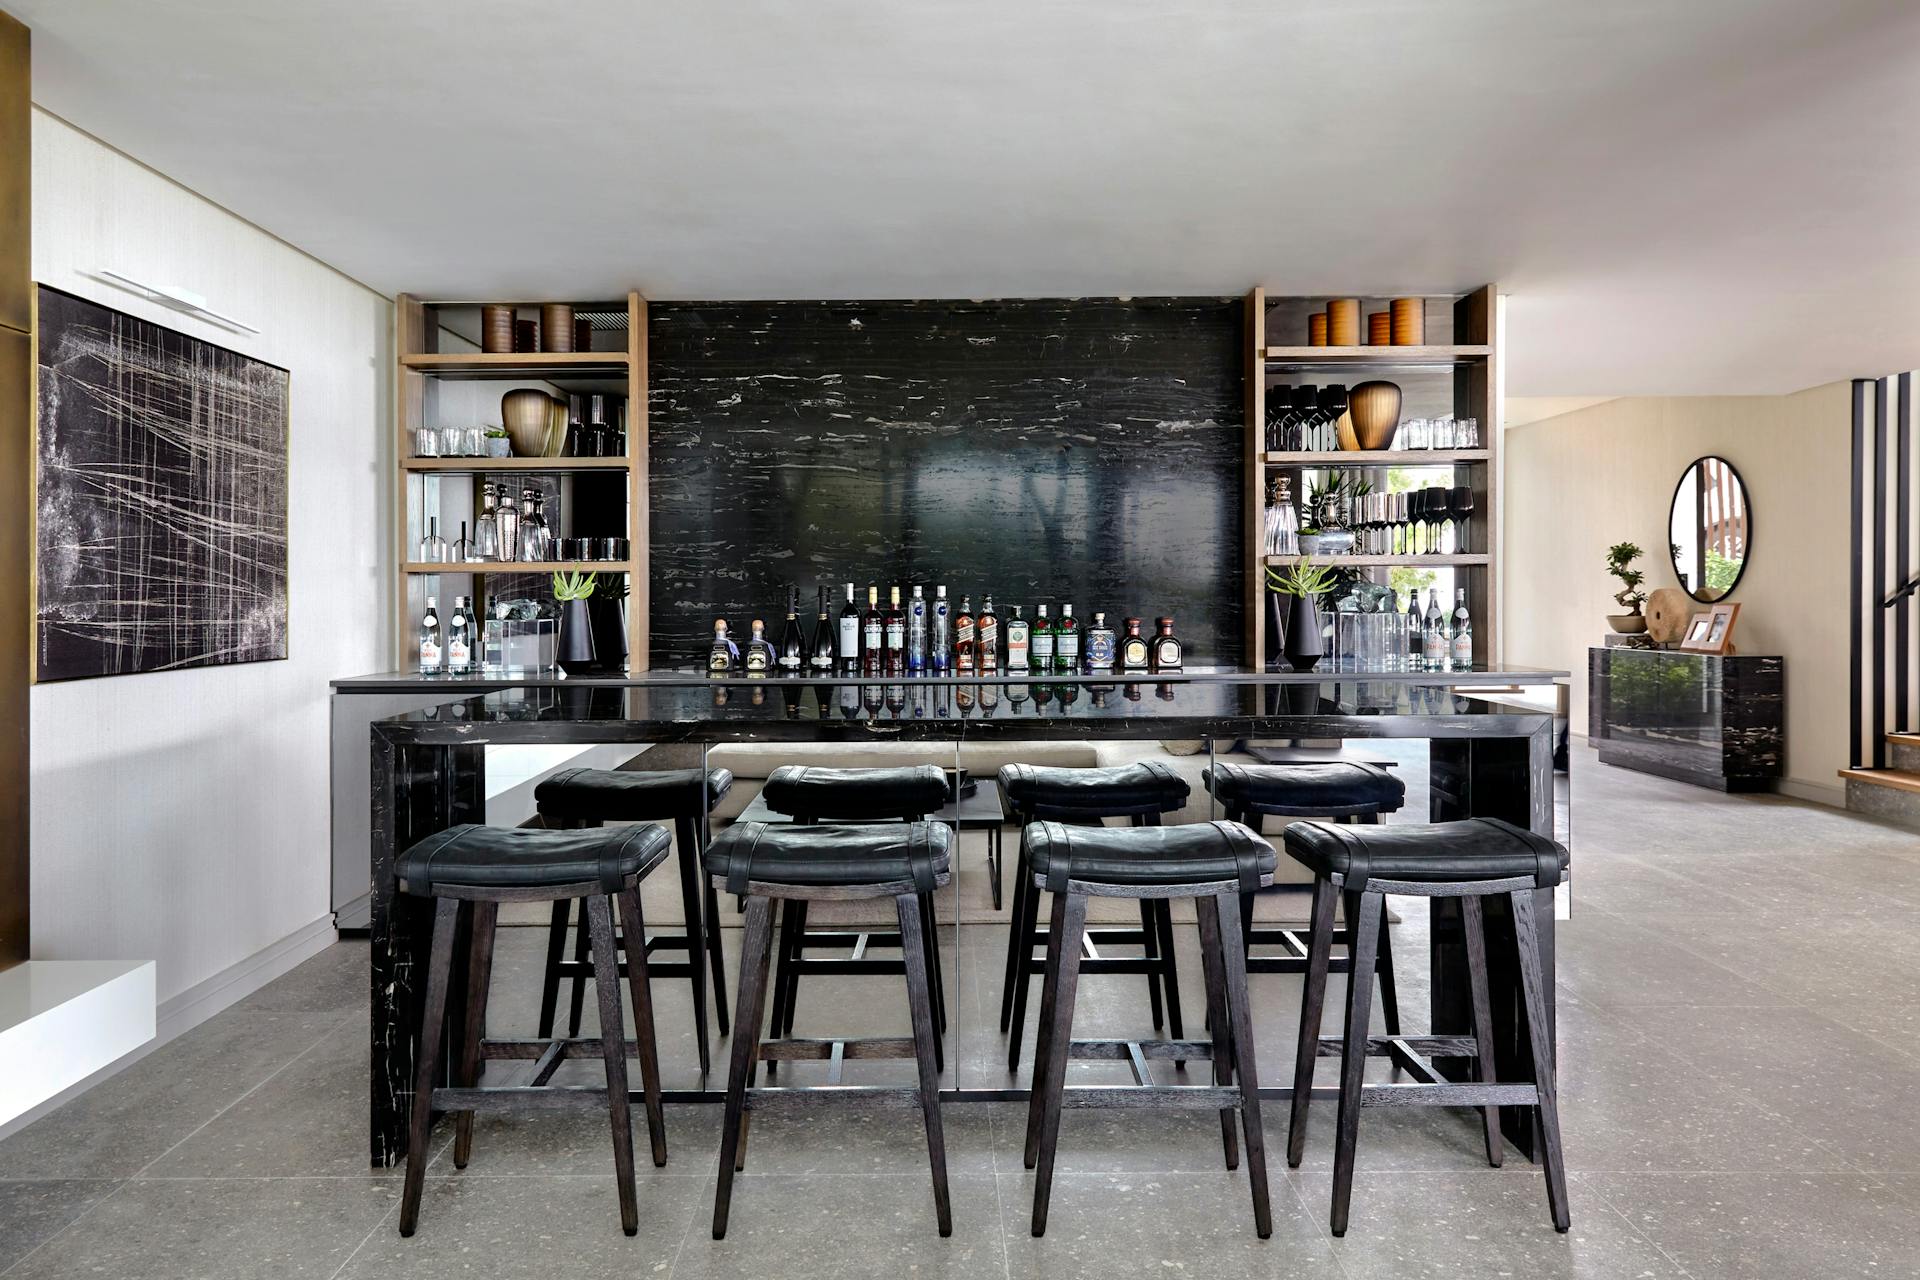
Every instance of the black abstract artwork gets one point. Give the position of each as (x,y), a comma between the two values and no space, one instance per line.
(162,501)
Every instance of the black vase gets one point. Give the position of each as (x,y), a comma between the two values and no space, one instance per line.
(576,652)
(1303,648)
(1276,628)
(609,616)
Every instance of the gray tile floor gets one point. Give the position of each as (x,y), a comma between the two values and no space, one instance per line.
(1739,986)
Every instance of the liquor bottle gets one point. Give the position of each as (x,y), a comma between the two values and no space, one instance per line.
(1041,640)
(987,638)
(536,543)
(597,438)
(459,638)
(1133,650)
(720,657)
(963,641)
(793,643)
(761,658)
(849,635)
(1165,652)
(917,633)
(1462,632)
(430,639)
(1100,644)
(939,641)
(872,634)
(821,663)
(1017,641)
(1066,641)
(1435,627)
(894,636)
(486,531)
(507,518)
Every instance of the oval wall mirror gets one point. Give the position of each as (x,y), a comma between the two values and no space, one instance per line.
(1710,529)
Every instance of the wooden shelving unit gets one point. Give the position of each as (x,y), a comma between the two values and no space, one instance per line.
(419,334)
(1457,373)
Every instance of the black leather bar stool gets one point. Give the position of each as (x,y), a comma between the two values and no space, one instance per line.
(1344,790)
(1469,860)
(770,863)
(811,795)
(469,871)
(1142,793)
(589,797)
(1210,862)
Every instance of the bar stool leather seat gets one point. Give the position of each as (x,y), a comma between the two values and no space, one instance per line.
(849,856)
(1047,791)
(1194,853)
(1472,849)
(623,795)
(1305,790)
(866,795)
(472,856)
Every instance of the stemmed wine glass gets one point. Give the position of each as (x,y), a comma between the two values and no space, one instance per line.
(1461,503)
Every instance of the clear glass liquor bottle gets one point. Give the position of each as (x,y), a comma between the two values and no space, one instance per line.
(1435,627)
(939,634)
(486,529)
(1462,640)
(1018,641)
(508,518)
(459,638)
(917,633)
(431,657)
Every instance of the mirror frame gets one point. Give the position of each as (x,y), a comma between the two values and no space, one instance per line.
(1746,497)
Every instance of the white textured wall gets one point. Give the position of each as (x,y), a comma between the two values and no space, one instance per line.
(182,816)
(1578,483)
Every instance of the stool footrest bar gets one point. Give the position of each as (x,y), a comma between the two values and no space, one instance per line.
(891,1097)
(1207,1097)
(811,1050)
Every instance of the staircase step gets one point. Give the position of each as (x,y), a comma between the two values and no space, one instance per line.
(1898,779)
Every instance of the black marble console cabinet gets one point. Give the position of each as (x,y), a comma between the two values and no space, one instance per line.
(1082,450)
(1696,717)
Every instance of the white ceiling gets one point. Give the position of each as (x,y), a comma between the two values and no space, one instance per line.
(1679,196)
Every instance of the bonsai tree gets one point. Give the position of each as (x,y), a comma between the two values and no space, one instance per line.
(1620,558)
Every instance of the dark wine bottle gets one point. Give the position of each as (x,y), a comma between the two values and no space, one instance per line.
(850,636)
(822,661)
(793,643)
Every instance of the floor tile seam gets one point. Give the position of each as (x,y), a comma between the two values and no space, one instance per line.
(77,1220)
(341,1270)
(1631,1226)
(691,1225)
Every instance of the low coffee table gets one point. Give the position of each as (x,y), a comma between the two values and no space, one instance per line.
(978,810)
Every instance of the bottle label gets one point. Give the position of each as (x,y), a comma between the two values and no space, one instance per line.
(1133,653)
(429,655)
(849,638)
(1042,645)
(790,660)
(1017,646)
(756,658)
(1067,646)
(896,635)
(990,634)
(457,654)
(719,659)
(822,662)
(1167,654)
(1100,648)
(963,634)
(1463,648)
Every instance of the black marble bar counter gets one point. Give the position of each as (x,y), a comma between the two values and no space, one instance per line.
(1491,754)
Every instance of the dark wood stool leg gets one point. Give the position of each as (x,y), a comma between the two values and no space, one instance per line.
(1364,927)
(1473,922)
(613,1051)
(1240,1010)
(1312,1001)
(716,961)
(996,853)
(433,1019)
(687,847)
(1540,1038)
(1023,927)
(756,950)
(1043,1032)
(1389,996)
(1169,968)
(925,1044)
(930,927)
(1016,959)
(639,984)
(479,975)
(1219,1023)
(576,1006)
(1047,1094)
(556,951)
(796,912)
(1150,948)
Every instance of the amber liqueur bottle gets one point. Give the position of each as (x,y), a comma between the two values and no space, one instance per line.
(894,632)
(1133,648)
(964,642)
(1165,649)
(986,643)
(872,634)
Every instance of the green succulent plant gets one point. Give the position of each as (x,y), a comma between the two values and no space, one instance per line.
(573,586)
(1302,577)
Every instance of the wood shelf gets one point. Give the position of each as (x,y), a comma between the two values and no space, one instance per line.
(519,364)
(516,464)
(492,567)
(1378,457)
(1377,357)
(1468,561)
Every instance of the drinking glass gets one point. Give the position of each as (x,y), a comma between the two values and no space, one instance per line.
(1467,434)
(449,442)
(1462,504)
(426,443)
(1443,433)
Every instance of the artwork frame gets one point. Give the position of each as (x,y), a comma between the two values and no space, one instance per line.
(161,496)
(1711,630)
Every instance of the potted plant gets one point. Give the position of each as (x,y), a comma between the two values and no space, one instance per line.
(499,445)
(1620,558)
(1303,582)
(571,591)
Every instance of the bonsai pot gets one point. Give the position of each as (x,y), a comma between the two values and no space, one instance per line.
(1303,648)
(576,651)
(1628,624)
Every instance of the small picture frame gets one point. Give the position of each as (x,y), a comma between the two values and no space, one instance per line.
(1712,630)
